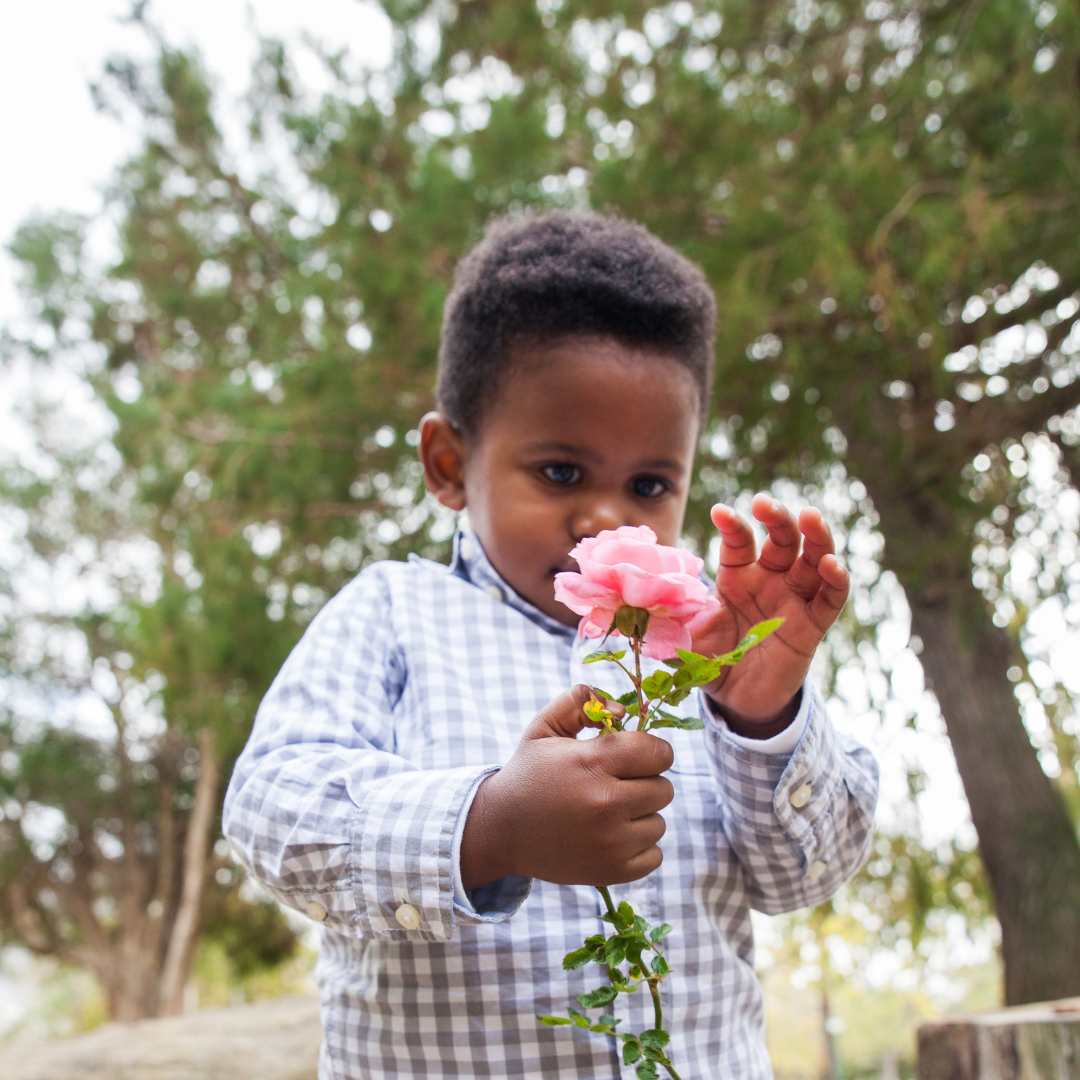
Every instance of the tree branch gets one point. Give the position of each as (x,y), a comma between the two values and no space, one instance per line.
(901,210)
(182,938)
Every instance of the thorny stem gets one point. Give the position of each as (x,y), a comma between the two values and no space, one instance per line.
(658,1011)
(603,890)
(642,718)
(654,989)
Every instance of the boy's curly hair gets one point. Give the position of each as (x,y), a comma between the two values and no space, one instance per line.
(541,277)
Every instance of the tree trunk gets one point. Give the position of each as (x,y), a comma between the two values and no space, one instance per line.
(182,939)
(1026,839)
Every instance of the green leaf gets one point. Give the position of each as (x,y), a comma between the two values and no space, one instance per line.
(674,663)
(647,1071)
(655,1037)
(616,951)
(602,995)
(631,1051)
(661,932)
(699,670)
(577,959)
(626,916)
(554,1021)
(754,636)
(629,698)
(603,654)
(660,966)
(683,723)
(657,684)
(609,1020)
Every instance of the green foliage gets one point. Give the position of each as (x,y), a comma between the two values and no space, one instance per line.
(632,938)
(254,933)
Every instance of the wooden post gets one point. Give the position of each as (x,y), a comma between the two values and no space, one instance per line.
(1028,1042)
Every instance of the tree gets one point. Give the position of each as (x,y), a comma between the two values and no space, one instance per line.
(109,790)
(879,194)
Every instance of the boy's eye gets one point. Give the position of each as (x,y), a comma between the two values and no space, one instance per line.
(562,474)
(648,487)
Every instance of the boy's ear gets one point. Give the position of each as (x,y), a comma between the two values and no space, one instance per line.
(442,454)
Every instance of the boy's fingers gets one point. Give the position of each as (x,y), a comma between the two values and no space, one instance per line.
(781,547)
(640,798)
(803,576)
(737,547)
(565,717)
(832,596)
(633,754)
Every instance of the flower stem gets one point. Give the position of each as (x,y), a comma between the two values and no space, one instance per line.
(658,1010)
(603,891)
(636,678)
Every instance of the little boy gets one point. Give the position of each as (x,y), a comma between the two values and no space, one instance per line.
(414,780)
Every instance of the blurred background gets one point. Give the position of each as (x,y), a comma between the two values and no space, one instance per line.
(230,230)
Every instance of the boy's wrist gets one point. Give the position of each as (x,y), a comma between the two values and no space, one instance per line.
(483,854)
(756,727)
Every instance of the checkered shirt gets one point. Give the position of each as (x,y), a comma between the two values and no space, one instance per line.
(408,688)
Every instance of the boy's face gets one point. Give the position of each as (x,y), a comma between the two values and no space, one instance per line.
(585,434)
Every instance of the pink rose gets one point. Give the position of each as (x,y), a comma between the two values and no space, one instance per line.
(626,567)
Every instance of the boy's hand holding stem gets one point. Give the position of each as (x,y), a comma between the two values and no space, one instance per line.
(570,812)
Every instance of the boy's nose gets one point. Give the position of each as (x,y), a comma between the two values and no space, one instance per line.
(595,518)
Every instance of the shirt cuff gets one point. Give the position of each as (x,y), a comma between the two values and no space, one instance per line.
(782,743)
(461,897)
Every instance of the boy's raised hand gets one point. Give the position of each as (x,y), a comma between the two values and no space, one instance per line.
(575,813)
(808,590)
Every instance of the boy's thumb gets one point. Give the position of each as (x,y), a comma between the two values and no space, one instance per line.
(565,716)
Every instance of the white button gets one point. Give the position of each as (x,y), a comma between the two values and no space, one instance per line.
(801,796)
(408,916)
(817,868)
(495,593)
(316,911)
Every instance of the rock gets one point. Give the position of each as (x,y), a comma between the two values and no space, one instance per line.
(271,1040)
(1029,1042)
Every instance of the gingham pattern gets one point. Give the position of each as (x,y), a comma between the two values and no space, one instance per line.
(408,688)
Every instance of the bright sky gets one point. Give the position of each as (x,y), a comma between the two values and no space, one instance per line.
(59,151)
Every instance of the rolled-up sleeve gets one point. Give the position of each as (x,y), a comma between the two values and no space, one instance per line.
(800,824)
(323,812)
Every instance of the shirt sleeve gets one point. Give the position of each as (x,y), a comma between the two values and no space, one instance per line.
(322,811)
(799,823)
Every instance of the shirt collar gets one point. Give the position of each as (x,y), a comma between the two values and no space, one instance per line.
(470,562)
